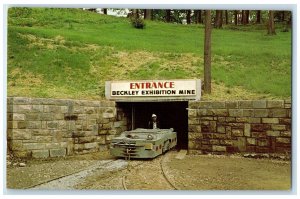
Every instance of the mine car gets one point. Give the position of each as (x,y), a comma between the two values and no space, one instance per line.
(143,143)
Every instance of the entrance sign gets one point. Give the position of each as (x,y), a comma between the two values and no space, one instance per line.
(153,90)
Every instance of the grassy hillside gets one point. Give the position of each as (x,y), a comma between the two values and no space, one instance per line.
(70,53)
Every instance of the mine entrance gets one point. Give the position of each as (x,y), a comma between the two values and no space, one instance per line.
(170,115)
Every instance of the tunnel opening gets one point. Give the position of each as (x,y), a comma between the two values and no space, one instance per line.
(169,114)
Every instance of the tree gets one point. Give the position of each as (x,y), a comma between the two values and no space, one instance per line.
(207,53)
(247,13)
(219,19)
(168,15)
(226,17)
(135,13)
(188,16)
(258,16)
(244,17)
(148,14)
(236,17)
(271,25)
(198,15)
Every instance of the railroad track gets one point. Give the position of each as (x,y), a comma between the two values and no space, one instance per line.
(163,172)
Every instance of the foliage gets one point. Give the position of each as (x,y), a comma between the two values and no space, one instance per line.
(71,53)
(138,23)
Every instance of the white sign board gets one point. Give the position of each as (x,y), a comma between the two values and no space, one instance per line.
(154,90)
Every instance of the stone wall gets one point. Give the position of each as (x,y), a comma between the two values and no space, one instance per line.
(42,128)
(240,126)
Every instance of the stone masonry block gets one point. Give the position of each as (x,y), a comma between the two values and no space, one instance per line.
(37,108)
(40,153)
(15,145)
(21,134)
(221,129)
(260,127)
(254,120)
(193,121)
(260,113)
(248,112)
(275,104)
(236,112)
(91,145)
(279,127)
(270,120)
(192,113)
(201,112)
(33,146)
(107,115)
(218,148)
(231,104)
(251,141)
(22,154)
(287,105)
(217,112)
(277,113)
(58,152)
(260,104)
(226,142)
(262,142)
(18,117)
(22,108)
(218,104)
(230,119)
(237,132)
(242,119)
(285,134)
(195,128)
(194,104)
(273,133)
(247,130)
(245,104)
(283,140)
(285,121)
(34,124)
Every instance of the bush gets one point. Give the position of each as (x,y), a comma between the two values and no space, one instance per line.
(138,23)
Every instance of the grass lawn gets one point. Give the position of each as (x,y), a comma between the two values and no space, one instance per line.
(70,53)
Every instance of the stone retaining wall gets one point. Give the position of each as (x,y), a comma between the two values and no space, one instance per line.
(42,128)
(240,126)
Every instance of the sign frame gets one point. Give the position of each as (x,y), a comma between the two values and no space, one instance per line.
(157,98)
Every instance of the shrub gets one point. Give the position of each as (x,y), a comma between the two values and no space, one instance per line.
(138,23)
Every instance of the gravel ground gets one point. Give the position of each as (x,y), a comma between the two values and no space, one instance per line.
(69,182)
(39,171)
(194,172)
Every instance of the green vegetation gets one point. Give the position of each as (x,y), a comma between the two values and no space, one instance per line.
(70,53)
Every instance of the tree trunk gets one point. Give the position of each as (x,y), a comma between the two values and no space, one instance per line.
(198,14)
(105,11)
(188,16)
(271,25)
(244,17)
(258,17)
(219,19)
(247,16)
(236,17)
(207,53)
(168,16)
(148,14)
(226,17)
